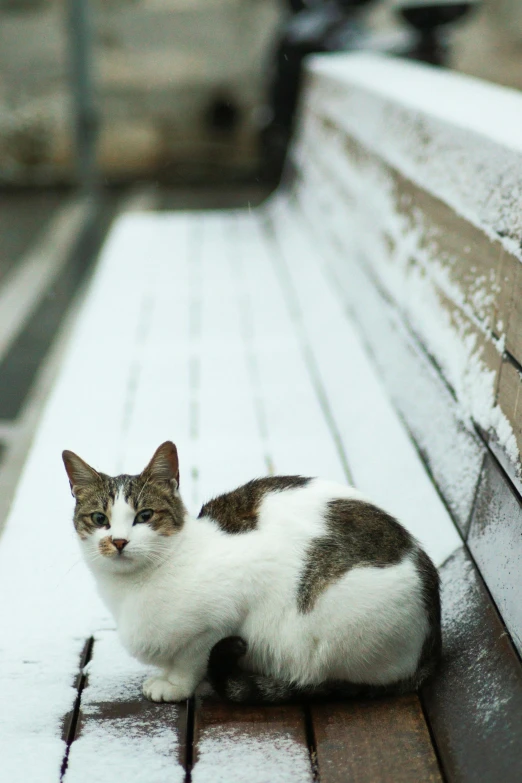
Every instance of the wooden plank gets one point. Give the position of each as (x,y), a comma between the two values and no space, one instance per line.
(464,259)
(413,243)
(453,453)
(262,745)
(496,543)
(510,401)
(56,606)
(159,403)
(471,161)
(296,431)
(231,449)
(474,705)
(514,327)
(382,458)
(382,741)
(118,730)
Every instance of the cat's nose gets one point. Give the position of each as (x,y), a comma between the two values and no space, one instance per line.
(120,543)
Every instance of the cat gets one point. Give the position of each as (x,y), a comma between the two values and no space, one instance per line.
(286,587)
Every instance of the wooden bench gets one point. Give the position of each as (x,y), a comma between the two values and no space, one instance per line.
(287,339)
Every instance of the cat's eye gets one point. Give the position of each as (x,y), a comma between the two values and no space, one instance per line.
(99,519)
(144,516)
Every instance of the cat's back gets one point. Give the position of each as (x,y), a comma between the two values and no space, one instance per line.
(279,502)
(319,526)
(331,565)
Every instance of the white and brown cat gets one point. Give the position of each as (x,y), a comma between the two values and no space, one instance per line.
(286,587)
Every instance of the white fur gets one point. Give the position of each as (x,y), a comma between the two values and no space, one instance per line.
(174,597)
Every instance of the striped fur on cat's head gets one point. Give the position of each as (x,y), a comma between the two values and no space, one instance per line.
(126,522)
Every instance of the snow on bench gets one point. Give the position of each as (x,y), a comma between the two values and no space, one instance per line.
(409,179)
(209,329)
(419,173)
(232,334)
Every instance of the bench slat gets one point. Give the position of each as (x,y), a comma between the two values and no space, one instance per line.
(297,434)
(118,731)
(383,741)
(382,458)
(416,388)
(262,745)
(496,543)
(229,446)
(475,703)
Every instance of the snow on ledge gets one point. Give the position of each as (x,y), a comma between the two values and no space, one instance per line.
(454,135)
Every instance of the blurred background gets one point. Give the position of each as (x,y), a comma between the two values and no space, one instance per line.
(169,104)
(182,91)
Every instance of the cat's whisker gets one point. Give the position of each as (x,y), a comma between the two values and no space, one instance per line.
(152,557)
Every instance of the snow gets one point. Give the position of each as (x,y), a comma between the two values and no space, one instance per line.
(461,619)
(381,457)
(176,339)
(494,542)
(141,746)
(364,221)
(225,754)
(50,606)
(453,453)
(452,134)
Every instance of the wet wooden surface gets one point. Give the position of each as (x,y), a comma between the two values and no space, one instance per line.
(514,331)
(374,742)
(474,705)
(234,743)
(510,394)
(495,541)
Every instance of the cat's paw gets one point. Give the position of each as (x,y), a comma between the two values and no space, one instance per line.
(160,689)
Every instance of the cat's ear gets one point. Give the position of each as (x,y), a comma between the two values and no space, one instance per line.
(164,465)
(80,474)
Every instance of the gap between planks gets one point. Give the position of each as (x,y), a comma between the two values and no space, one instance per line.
(71,721)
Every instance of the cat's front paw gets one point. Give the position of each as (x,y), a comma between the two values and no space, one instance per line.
(160,689)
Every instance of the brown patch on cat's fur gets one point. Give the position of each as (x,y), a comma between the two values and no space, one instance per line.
(359,534)
(236,512)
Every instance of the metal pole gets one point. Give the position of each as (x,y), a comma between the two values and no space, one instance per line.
(85,111)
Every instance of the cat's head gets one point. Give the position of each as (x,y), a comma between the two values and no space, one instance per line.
(127,522)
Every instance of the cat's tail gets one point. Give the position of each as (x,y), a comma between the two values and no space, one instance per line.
(242,687)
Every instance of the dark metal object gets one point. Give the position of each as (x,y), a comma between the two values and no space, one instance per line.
(315,26)
(430,21)
(85,110)
(336,26)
